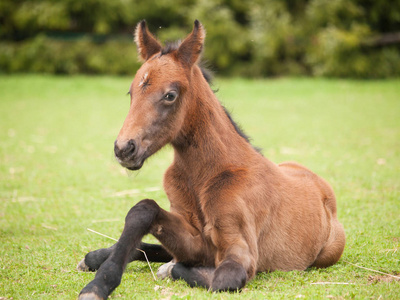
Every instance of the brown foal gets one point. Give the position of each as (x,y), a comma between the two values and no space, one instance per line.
(233,212)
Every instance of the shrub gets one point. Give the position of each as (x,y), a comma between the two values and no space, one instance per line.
(246,38)
(44,55)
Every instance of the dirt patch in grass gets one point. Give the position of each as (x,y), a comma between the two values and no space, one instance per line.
(383,278)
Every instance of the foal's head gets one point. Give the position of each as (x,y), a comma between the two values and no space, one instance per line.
(159,93)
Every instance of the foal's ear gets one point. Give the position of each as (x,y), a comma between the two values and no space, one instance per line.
(190,49)
(146,43)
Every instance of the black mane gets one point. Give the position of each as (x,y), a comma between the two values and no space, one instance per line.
(239,130)
(170,47)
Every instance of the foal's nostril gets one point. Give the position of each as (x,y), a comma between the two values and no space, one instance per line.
(129,149)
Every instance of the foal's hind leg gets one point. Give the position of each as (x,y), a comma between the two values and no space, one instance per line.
(194,276)
(229,276)
(334,247)
(145,217)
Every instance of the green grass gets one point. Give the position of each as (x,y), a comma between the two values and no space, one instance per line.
(58,177)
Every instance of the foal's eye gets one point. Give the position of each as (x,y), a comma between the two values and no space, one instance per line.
(170,96)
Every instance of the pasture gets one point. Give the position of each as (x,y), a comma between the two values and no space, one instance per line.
(58,177)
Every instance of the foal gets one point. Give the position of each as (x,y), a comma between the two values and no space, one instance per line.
(233,212)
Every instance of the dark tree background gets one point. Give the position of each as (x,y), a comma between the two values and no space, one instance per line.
(254,38)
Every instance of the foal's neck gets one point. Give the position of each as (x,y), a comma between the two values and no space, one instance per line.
(208,141)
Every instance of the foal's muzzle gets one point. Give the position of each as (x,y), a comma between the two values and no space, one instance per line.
(127,155)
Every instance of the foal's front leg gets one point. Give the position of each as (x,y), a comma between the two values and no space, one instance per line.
(109,274)
(145,217)
(94,259)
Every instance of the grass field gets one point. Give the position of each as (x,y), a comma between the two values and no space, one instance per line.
(58,177)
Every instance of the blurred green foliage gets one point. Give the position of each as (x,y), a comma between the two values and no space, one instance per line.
(340,38)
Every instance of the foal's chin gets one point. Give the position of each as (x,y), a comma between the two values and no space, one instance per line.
(135,168)
(131,165)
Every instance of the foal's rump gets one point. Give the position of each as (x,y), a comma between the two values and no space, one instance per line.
(302,229)
(310,182)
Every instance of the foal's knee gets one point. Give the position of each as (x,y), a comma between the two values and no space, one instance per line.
(143,206)
(144,211)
